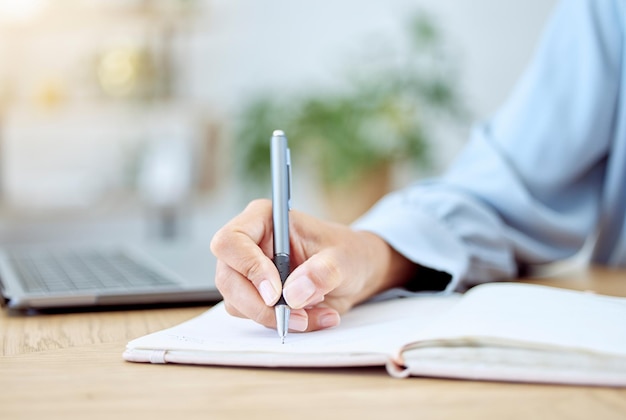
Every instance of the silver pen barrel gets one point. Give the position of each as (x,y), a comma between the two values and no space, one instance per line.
(281,203)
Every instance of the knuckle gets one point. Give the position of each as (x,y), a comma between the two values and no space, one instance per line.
(218,241)
(222,277)
(220,282)
(259,204)
(231,309)
(264,316)
(253,269)
(328,270)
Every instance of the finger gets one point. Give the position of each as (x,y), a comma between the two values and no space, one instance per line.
(320,318)
(241,297)
(239,245)
(313,279)
(243,306)
(298,320)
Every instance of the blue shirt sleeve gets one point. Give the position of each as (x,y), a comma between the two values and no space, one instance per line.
(526,188)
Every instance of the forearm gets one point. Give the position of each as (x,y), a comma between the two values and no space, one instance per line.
(527,187)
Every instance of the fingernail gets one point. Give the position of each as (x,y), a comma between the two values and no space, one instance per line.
(299,292)
(267,292)
(329,320)
(298,321)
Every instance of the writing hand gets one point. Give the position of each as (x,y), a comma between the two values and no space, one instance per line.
(334,268)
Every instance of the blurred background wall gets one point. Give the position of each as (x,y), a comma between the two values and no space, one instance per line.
(128,109)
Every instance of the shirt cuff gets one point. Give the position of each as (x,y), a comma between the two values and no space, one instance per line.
(418,236)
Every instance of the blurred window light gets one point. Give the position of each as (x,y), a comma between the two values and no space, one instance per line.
(117,71)
(125,71)
(20,11)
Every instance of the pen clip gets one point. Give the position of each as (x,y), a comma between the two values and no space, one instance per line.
(288,179)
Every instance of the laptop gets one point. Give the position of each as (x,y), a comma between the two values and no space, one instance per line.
(54,278)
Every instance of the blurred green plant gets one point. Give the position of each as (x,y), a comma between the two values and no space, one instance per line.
(388,113)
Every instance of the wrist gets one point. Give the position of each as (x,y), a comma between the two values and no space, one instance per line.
(389,268)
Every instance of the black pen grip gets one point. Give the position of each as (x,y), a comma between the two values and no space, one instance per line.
(282,263)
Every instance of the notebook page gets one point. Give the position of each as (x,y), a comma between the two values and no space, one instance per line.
(537,316)
(380,327)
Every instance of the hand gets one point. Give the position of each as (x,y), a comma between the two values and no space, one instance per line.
(335,268)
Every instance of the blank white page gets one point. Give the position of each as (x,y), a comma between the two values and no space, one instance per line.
(538,316)
(380,327)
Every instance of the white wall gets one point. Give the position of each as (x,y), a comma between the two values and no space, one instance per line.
(248,46)
(237,47)
(283,46)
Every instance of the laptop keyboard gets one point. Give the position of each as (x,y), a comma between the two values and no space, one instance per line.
(81,271)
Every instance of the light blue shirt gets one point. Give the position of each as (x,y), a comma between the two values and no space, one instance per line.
(542,176)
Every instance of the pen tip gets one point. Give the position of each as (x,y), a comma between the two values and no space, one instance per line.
(282,340)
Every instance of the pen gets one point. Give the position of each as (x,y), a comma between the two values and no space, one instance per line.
(281,203)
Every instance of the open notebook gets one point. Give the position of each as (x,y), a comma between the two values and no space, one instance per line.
(498,331)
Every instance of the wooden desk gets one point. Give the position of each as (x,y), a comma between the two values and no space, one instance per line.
(70,366)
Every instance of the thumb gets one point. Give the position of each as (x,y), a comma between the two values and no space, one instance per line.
(313,279)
